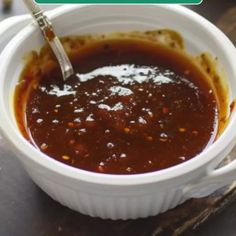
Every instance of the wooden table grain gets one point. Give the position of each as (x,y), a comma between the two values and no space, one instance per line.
(26,211)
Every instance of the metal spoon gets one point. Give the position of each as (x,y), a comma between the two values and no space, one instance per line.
(50,36)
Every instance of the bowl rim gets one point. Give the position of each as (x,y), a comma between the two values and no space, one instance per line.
(22,146)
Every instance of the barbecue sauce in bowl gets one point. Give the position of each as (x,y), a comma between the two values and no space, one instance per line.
(136,106)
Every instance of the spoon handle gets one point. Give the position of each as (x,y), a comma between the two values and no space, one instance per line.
(32,6)
(48,33)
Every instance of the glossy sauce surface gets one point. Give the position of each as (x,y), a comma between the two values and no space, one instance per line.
(135,107)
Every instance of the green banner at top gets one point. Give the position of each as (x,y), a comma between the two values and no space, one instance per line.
(119,1)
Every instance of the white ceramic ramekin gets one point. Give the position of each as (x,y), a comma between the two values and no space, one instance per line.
(113,196)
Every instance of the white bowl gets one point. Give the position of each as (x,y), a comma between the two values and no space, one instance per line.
(115,196)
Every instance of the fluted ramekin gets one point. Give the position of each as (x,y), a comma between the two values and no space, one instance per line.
(118,196)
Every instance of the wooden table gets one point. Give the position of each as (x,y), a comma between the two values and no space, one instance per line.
(26,211)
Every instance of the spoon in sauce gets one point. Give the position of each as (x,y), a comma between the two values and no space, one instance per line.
(49,35)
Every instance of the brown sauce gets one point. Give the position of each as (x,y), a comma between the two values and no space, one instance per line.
(136,106)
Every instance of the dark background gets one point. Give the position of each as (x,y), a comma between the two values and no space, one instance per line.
(26,211)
